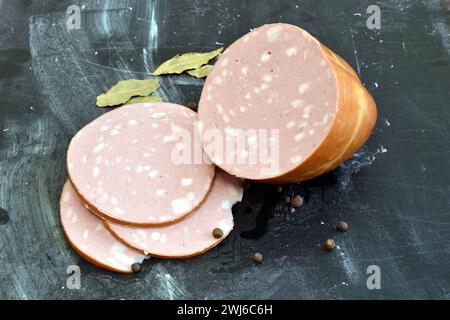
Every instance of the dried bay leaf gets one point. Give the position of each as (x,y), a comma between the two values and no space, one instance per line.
(144,99)
(124,90)
(186,61)
(201,72)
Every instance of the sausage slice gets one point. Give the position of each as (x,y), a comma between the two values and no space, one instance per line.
(138,165)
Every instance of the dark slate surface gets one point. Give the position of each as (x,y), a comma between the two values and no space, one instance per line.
(395,192)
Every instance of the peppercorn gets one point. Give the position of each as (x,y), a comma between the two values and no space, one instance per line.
(342,226)
(217,233)
(136,267)
(296,201)
(329,245)
(257,257)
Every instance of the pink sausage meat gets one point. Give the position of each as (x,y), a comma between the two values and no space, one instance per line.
(193,235)
(122,165)
(87,235)
(274,78)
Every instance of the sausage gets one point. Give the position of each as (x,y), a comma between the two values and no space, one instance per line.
(193,235)
(280,80)
(89,238)
(123,166)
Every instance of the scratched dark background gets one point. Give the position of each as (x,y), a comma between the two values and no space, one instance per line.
(395,192)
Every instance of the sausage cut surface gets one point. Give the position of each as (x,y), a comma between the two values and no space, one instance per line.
(291,108)
(122,165)
(193,235)
(89,238)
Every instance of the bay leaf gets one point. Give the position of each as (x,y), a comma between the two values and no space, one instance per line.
(186,61)
(124,90)
(144,99)
(201,72)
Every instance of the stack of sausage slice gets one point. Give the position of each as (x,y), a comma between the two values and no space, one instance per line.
(131,194)
(141,182)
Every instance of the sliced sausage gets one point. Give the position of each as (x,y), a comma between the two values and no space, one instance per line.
(280,80)
(135,165)
(89,238)
(193,235)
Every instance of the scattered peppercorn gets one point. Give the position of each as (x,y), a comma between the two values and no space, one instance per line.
(296,201)
(329,245)
(217,233)
(257,257)
(135,267)
(192,105)
(342,226)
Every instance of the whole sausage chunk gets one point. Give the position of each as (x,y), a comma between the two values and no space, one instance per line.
(289,107)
